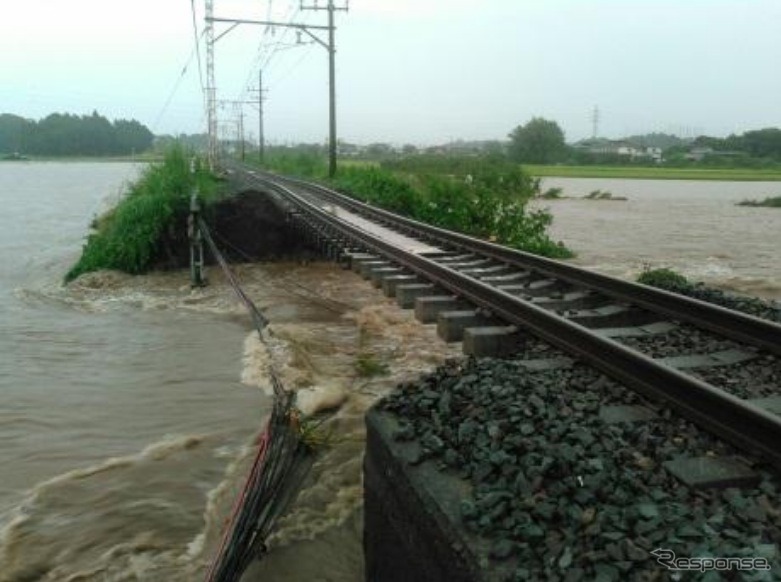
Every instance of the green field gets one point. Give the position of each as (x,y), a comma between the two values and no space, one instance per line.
(630,172)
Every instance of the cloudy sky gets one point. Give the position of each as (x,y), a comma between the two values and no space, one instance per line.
(408,71)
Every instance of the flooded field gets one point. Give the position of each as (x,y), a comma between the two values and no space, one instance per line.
(693,227)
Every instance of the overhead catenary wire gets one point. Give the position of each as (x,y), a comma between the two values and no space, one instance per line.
(197,48)
(292,68)
(268,50)
(173,92)
(195,52)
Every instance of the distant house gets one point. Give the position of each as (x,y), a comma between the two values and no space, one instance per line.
(349,150)
(699,154)
(655,154)
(607,147)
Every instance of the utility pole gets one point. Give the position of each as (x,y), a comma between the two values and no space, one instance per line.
(241,133)
(330,46)
(238,106)
(331,8)
(261,137)
(261,134)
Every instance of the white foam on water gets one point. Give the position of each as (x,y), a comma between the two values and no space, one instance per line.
(256,364)
(112,520)
(110,291)
(320,399)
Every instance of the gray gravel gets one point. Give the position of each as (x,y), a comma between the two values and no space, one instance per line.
(567,496)
(683,340)
(752,305)
(754,378)
(765,309)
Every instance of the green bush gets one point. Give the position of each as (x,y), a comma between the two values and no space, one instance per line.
(379,187)
(127,237)
(482,197)
(664,279)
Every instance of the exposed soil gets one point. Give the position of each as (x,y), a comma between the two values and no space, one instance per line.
(246,227)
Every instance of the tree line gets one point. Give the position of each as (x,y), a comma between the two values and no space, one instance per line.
(541,141)
(63,134)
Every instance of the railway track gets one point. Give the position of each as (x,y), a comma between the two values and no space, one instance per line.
(719,368)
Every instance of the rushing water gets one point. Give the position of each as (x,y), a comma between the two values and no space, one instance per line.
(115,421)
(129,406)
(693,227)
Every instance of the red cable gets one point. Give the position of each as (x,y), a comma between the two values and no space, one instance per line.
(251,478)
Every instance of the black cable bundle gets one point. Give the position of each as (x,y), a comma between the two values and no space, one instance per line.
(282,462)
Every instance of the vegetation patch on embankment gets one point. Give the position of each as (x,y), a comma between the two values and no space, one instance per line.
(481,197)
(670,280)
(140,231)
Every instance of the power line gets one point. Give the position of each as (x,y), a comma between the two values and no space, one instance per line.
(264,54)
(173,92)
(290,70)
(197,46)
(311,30)
(331,8)
(281,45)
(267,50)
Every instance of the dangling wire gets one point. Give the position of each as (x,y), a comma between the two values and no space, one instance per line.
(282,461)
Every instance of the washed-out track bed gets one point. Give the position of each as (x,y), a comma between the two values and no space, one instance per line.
(576,439)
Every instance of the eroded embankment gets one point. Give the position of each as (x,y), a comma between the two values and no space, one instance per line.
(248,226)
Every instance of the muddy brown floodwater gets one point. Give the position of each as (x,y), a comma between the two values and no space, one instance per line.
(693,227)
(130,405)
(326,322)
(158,514)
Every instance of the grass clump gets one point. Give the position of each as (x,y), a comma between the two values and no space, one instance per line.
(664,279)
(669,280)
(367,366)
(602,195)
(126,238)
(551,194)
(769,202)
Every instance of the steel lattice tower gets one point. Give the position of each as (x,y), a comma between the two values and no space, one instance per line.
(211,88)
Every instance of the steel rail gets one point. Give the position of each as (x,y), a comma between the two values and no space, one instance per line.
(726,322)
(745,425)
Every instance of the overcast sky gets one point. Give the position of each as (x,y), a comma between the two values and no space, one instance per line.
(408,71)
